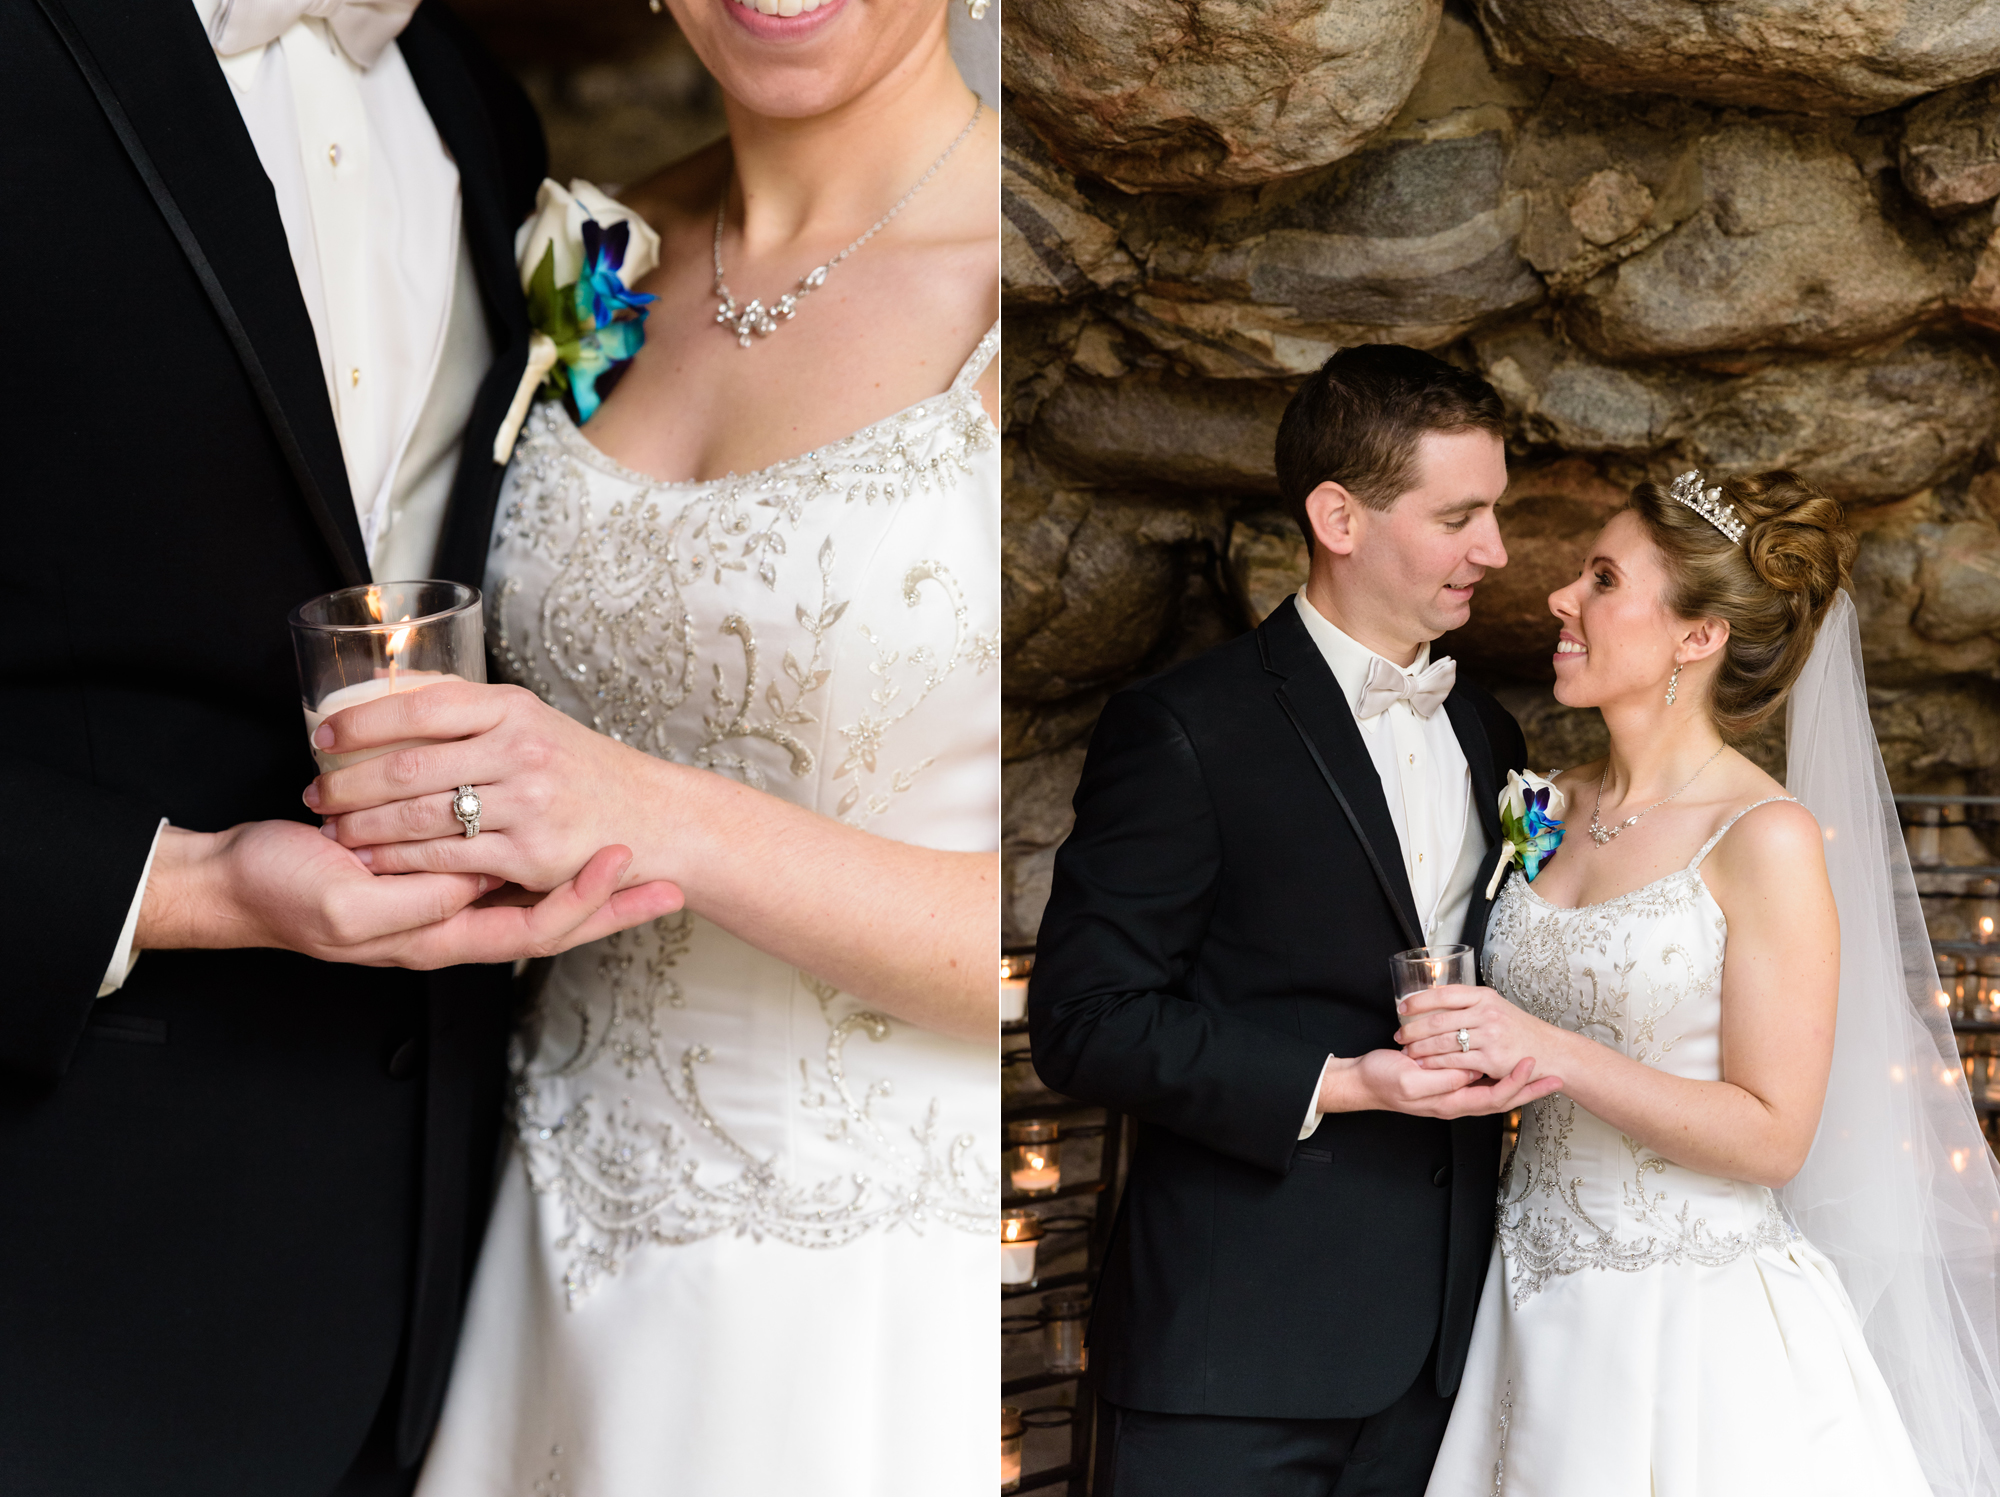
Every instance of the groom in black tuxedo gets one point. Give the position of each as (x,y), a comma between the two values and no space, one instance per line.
(243,1189)
(1290,1285)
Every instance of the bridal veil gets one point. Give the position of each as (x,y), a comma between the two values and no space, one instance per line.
(1900,1189)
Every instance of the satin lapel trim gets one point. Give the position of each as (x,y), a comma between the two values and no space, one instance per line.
(1472,742)
(157,82)
(459,113)
(1311,698)
(1479,759)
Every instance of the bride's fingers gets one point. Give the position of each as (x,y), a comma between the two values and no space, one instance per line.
(418,819)
(586,908)
(1432,1000)
(405,773)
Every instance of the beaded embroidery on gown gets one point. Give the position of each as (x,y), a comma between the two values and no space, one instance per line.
(743,1243)
(1647,1330)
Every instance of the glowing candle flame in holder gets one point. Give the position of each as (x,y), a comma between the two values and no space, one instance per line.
(365,642)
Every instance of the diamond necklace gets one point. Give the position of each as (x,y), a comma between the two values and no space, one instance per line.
(762,320)
(1602,835)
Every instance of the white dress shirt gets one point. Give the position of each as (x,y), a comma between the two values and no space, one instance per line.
(1428,787)
(369,198)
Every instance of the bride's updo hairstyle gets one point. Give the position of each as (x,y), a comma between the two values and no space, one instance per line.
(1772,588)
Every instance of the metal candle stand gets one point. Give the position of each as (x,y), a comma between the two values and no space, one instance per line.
(1075,1217)
(1968,964)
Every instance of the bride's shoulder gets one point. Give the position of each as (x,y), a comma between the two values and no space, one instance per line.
(681,198)
(1769,834)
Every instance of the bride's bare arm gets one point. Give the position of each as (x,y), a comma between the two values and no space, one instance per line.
(908,930)
(1780,986)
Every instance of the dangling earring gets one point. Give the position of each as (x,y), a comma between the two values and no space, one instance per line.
(976,9)
(654,6)
(1672,682)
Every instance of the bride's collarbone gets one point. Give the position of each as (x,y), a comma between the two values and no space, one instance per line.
(1665,841)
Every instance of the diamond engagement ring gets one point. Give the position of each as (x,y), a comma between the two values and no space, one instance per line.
(1464,1035)
(465,806)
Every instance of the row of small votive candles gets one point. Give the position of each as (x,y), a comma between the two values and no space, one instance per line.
(1969,986)
(1982,1067)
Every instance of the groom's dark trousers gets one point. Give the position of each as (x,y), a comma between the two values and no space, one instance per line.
(1275,1317)
(242,1194)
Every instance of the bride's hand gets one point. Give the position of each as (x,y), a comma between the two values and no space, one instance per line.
(551,791)
(1499,1035)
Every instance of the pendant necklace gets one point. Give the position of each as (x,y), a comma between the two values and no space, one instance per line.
(1602,835)
(762,320)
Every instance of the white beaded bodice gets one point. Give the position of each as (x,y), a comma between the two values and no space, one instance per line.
(825,630)
(1643,974)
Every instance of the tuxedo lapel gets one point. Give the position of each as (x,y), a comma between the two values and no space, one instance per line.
(452,97)
(1311,698)
(1472,742)
(156,79)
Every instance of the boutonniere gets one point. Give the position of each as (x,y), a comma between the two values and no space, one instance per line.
(1530,828)
(578,256)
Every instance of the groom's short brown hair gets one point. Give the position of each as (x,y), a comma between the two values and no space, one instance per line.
(1357,419)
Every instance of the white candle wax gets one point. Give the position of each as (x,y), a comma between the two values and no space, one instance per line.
(1013,999)
(1017,1262)
(367,691)
(1034,1178)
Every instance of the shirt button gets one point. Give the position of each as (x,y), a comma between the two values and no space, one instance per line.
(403,1062)
(333,154)
(1413,758)
(353,378)
(1420,857)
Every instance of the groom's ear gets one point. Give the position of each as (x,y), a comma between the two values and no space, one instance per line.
(1334,515)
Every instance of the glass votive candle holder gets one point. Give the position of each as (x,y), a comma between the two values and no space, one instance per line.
(1985,911)
(1014,972)
(1012,1429)
(1034,1165)
(1019,1232)
(1064,1317)
(361,643)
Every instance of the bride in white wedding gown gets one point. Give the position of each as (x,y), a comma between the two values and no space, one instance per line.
(744,1245)
(1736,1254)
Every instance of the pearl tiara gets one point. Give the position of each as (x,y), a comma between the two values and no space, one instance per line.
(1708,504)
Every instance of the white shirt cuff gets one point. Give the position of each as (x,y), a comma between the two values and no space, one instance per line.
(1313,1114)
(123,957)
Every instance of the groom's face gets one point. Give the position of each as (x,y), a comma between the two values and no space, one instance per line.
(1409,570)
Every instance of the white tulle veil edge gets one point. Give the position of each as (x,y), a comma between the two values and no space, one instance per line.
(1900,1190)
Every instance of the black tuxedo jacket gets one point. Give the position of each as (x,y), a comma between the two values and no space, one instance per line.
(242,1193)
(1221,921)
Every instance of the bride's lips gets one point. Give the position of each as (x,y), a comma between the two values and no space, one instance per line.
(1569,647)
(767,19)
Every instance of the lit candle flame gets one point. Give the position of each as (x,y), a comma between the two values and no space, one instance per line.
(1943,999)
(1959,1159)
(1985,927)
(1010,1230)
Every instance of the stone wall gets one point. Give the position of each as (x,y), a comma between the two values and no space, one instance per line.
(1767,239)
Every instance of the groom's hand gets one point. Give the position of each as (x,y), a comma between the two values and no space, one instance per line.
(1389,1081)
(281,884)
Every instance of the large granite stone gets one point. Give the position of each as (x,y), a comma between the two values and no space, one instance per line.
(1054,246)
(1210,93)
(1950,151)
(1789,249)
(1815,56)
(1146,429)
(1410,240)
(1866,427)
(1927,587)
(1089,583)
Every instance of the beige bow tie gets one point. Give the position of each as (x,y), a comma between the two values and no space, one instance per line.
(364,28)
(1423,691)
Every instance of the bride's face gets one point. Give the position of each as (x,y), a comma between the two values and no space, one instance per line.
(793,59)
(1618,638)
